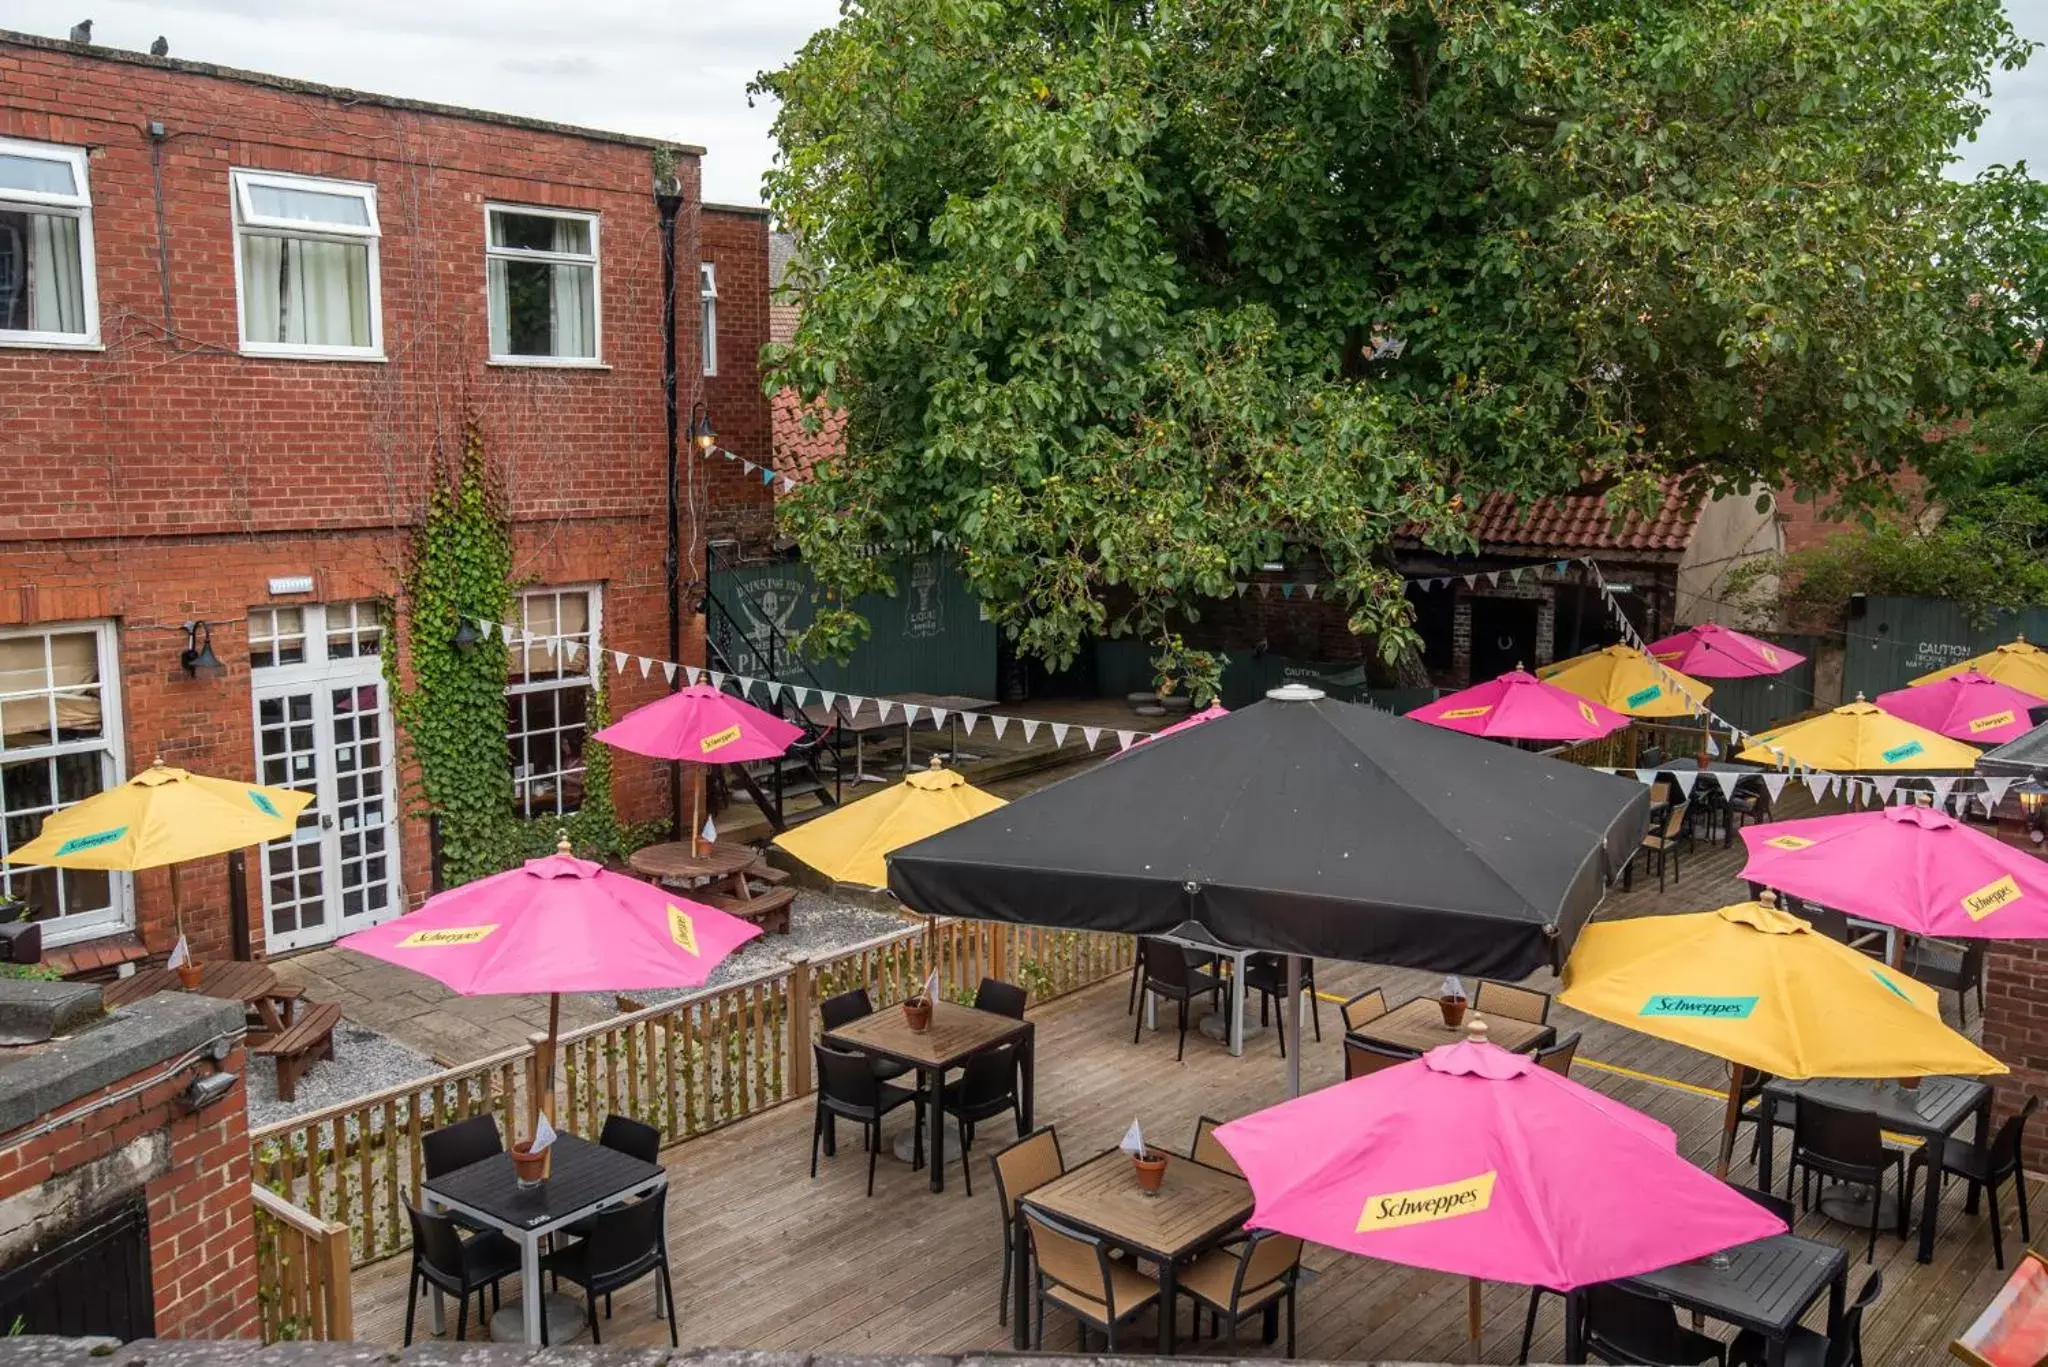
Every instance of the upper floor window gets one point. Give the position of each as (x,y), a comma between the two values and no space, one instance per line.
(553,673)
(707,295)
(47,294)
(306,266)
(542,266)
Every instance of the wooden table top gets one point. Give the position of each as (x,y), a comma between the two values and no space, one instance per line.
(675,860)
(1196,1204)
(1419,1025)
(957,1033)
(946,702)
(842,715)
(229,981)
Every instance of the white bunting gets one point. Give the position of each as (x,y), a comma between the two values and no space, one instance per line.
(803,695)
(1515,574)
(882,708)
(1092,735)
(1646,776)
(1471,581)
(1310,590)
(1774,784)
(911,712)
(1884,787)
(1820,785)
(999,722)
(668,670)
(1493,578)
(1995,790)
(646,666)
(1124,739)
(1942,788)
(618,662)
(1059,733)
(717,679)
(1030,729)
(1726,780)
(1713,747)
(1686,778)
(939,715)
(967,721)
(551,644)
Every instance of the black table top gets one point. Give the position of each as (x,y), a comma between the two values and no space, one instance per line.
(584,1174)
(1767,1286)
(1937,1106)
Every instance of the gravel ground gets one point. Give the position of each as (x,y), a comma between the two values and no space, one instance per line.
(366,1061)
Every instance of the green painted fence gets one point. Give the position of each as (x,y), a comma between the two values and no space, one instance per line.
(1892,641)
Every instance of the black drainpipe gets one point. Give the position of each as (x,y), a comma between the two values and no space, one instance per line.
(669,204)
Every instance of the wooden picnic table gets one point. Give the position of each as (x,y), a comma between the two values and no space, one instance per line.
(255,985)
(859,725)
(952,704)
(956,1034)
(1418,1025)
(716,875)
(1197,1208)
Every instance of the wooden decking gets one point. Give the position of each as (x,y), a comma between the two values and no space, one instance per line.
(766,1258)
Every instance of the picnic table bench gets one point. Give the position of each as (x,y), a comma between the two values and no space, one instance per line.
(308,1038)
(768,910)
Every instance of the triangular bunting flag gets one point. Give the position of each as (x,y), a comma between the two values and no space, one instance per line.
(1493,578)
(1726,780)
(646,666)
(1774,784)
(999,723)
(1265,590)
(1241,587)
(1124,739)
(1686,778)
(1059,733)
(551,644)
(967,721)
(1515,574)
(748,466)
(668,670)
(1884,787)
(1287,590)
(1820,785)
(911,712)
(1310,590)
(1030,729)
(882,708)
(1995,790)
(1646,776)
(1713,747)
(618,662)
(1092,735)
(938,716)
(829,700)
(717,679)
(1471,581)
(1942,788)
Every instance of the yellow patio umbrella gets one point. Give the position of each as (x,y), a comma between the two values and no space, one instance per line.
(1762,988)
(1859,736)
(162,816)
(1628,681)
(851,845)
(2017,664)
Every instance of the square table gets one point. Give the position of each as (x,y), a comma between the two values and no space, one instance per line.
(1197,1208)
(852,722)
(953,704)
(956,1034)
(1767,1286)
(1419,1025)
(586,1178)
(1931,1113)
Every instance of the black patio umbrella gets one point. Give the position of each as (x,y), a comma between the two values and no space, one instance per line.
(1303,825)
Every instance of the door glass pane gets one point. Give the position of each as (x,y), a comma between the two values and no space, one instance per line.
(359,810)
(292,866)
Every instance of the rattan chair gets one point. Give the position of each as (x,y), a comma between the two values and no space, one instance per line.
(1558,1057)
(1847,1146)
(1208,1151)
(1516,1003)
(1076,1272)
(1364,1008)
(1021,1169)
(443,1259)
(1254,1277)
(1983,1167)
(1363,1057)
(849,1090)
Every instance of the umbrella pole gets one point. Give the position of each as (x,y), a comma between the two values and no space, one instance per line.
(1290,1028)
(696,809)
(544,1046)
(177,905)
(1733,1115)
(1472,1314)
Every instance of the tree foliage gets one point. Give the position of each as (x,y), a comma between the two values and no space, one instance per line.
(1125,299)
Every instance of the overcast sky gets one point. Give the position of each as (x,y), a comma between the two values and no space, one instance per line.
(658,67)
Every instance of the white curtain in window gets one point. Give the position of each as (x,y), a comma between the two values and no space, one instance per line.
(501,308)
(305,293)
(73,663)
(574,331)
(56,274)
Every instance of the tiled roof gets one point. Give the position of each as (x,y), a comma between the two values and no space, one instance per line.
(1585,522)
(798,452)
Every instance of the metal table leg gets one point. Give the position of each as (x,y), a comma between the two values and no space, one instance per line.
(530,1288)
(1237,963)
(938,1130)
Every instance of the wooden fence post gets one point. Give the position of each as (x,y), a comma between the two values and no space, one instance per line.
(800,1027)
(341,1311)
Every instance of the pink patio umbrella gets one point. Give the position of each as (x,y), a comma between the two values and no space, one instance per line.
(1475,1161)
(701,725)
(1967,706)
(557,924)
(1520,706)
(1908,866)
(1209,713)
(1710,651)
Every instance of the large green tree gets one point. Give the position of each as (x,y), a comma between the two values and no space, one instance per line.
(1125,297)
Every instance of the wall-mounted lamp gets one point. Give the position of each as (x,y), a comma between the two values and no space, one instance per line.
(202,1092)
(701,434)
(198,658)
(2033,796)
(466,637)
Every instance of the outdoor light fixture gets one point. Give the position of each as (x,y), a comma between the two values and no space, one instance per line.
(198,658)
(701,432)
(2033,796)
(465,637)
(205,1091)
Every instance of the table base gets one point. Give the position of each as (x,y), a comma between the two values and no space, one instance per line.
(1851,1206)
(565,1320)
(1216,1027)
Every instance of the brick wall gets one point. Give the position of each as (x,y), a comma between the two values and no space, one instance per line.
(166,477)
(202,1241)
(2016,1011)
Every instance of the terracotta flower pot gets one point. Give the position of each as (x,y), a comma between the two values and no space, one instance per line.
(190,974)
(917,1013)
(1151,1171)
(531,1168)
(1453,1009)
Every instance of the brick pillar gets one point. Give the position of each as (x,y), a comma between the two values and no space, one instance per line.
(1461,641)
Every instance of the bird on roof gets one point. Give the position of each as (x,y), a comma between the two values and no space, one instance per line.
(161,47)
(81,32)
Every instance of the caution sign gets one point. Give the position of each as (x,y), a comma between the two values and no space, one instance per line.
(1446,1201)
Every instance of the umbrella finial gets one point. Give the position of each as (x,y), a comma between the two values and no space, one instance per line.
(562,841)
(1767,898)
(1476,1030)
(935,763)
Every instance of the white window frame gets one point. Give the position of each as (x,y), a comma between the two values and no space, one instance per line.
(247,222)
(707,312)
(119,915)
(595,260)
(78,206)
(590,678)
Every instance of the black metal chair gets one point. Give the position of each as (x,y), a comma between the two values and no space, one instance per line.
(1947,969)
(987,1088)
(442,1258)
(1845,1146)
(1983,1167)
(1004,999)
(1168,975)
(1805,1348)
(625,1245)
(845,1009)
(1750,1111)
(1659,846)
(849,1090)
(1266,974)
(621,1134)
(457,1146)
(1620,1326)
(1750,802)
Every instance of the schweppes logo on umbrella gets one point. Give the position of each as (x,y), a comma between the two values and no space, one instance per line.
(1788,842)
(1770,656)
(1697,1007)
(682,929)
(1586,714)
(1643,695)
(263,804)
(453,935)
(1670,655)
(1991,897)
(718,740)
(91,842)
(1461,713)
(1446,1201)
(1899,753)
(1979,725)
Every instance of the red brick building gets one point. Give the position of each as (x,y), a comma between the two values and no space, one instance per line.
(239,317)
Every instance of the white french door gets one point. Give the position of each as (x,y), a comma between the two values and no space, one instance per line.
(323,727)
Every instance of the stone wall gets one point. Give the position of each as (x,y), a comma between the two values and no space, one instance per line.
(44,1352)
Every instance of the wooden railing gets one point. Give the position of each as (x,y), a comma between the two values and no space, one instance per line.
(302,1272)
(685,1067)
